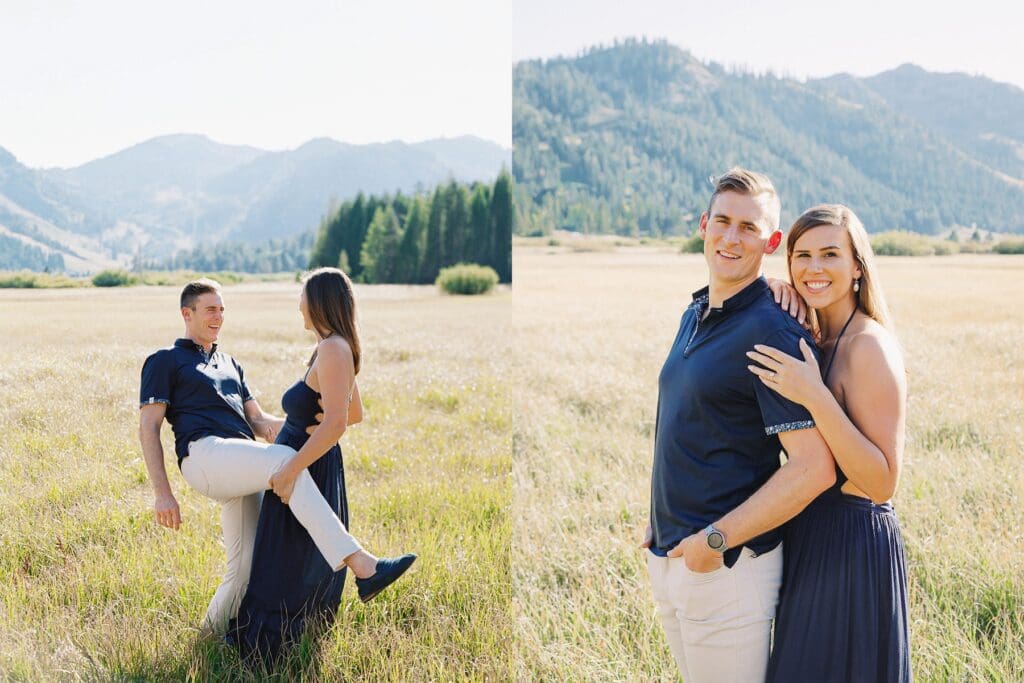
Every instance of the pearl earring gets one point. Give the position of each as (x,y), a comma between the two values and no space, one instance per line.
(856,285)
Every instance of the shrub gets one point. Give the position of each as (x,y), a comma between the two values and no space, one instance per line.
(466,278)
(29,280)
(18,281)
(693,245)
(1009,247)
(900,243)
(112,278)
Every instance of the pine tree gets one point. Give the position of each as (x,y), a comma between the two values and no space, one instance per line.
(355,232)
(481,239)
(410,252)
(433,250)
(379,256)
(456,224)
(330,238)
(503,222)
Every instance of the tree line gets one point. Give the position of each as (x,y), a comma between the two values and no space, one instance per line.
(408,239)
(623,140)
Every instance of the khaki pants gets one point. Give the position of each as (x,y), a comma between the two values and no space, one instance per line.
(718,624)
(235,472)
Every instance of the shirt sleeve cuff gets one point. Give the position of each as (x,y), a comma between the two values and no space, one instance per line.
(152,399)
(788,427)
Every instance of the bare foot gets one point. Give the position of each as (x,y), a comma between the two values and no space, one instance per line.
(362,564)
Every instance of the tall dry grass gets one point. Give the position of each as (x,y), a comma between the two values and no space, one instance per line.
(592,332)
(92,589)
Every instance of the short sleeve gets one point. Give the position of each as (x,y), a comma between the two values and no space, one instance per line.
(243,388)
(779,413)
(157,376)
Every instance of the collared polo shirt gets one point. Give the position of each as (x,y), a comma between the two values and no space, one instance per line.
(204,393)
(716,435)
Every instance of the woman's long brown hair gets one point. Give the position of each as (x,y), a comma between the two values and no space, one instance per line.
(332,308)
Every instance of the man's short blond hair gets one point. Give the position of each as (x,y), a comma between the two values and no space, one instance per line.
(197,288)
(749,183)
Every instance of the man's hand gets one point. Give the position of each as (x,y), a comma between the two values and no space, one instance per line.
(696,554)
(319,418)
(648,537)
(167,512)
(283,483)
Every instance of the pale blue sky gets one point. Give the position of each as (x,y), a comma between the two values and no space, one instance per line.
(82,79)
(799,38)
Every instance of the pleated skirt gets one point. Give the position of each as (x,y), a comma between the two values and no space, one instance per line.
(842,613)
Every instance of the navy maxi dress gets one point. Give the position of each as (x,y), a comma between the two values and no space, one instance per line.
(292,585)
(842,612)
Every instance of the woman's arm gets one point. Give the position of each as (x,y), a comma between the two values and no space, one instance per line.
(867,440)
(355,408)
(335,372)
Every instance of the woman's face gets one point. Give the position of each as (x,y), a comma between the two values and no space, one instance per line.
(304,308)
(823,266)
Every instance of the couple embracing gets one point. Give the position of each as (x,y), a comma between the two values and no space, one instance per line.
(736,539)
(286,553)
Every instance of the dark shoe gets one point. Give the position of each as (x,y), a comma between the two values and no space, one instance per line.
(388,569)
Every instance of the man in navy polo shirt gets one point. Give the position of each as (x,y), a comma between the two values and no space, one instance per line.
(718,492)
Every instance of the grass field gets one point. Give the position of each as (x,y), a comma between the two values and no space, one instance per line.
(592,330)
(92,589)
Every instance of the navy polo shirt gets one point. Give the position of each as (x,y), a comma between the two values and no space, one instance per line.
(716,436)
(204,393)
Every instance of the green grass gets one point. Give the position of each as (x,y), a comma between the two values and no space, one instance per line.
(92,589)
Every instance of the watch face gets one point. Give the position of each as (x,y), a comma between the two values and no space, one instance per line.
(716,540)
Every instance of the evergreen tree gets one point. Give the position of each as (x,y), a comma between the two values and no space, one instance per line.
(480,243)
(503,222)
(433,250)
(410,251)
(456,224)
(355,232)
(379,256)
(330,238)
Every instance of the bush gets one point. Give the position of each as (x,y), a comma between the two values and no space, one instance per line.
(29,280)
(693,245)
(112,278)
(908,244)
(18,281)
(466,278)
(1009,247)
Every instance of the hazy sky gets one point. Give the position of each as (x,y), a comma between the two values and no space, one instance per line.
(796,37)
(83,79)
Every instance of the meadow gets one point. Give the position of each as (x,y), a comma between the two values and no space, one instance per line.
(92,589)
(593,326)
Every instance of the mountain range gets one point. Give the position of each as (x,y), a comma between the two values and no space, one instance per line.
(179,191)
(624,138)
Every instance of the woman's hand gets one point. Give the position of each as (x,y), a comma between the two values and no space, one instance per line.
(799,381)
(283,482)
(788,299)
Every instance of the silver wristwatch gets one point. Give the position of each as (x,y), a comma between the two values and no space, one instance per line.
(715,539)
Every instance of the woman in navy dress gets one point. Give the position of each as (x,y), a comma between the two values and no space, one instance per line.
(291,586)
(842,613)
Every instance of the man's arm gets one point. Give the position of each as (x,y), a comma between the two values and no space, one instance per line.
(151,418)
(263,424)
(809,470)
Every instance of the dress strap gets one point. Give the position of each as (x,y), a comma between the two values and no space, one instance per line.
(835,346)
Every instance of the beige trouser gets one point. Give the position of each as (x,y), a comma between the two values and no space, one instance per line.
(235,472)
(718,624)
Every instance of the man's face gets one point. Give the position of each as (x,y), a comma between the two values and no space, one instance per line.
(203,324)
(737,233)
